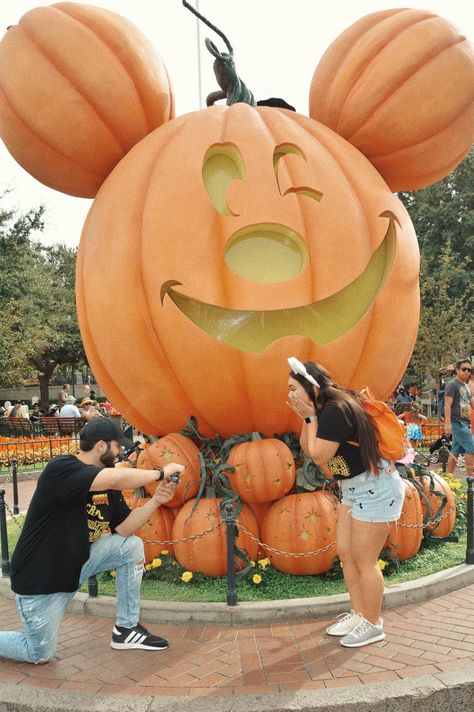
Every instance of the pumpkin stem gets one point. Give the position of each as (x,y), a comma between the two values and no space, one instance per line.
(256,436)
(232,87)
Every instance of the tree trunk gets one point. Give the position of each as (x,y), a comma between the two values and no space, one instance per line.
(44,387)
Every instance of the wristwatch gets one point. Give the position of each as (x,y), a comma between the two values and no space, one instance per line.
(161,473)
(310,418)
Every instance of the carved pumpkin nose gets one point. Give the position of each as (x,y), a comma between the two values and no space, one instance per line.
(266,253)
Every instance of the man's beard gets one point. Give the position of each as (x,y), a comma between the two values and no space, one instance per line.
(108,458)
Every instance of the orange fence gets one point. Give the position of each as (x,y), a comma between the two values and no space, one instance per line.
(31,451)
(432,430)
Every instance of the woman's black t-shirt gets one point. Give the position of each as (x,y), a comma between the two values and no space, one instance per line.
(338,426)
(54,542)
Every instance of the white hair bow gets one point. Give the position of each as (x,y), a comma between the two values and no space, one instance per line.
(298,367)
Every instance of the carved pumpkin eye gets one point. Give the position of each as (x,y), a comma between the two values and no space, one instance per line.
(284,149)
(222,164)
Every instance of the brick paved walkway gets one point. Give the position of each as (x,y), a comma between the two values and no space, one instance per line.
(425,638)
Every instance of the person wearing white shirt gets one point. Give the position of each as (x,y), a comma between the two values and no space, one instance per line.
(69,410)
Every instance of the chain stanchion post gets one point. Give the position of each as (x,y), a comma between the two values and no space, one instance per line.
(470,521)
(230,532)
(93,586)
(444,453)
(16,509)
(3,535)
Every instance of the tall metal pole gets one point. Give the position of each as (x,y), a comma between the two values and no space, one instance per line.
(198,27)
(230,531)
(3,535)
(16,509)
(470,521)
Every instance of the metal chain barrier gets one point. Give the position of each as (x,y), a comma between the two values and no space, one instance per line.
(13,516)
(250,535)
(435,520)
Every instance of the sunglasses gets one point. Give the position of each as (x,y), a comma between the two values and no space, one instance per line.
(466,369)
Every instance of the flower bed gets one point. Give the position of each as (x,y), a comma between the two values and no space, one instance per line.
(30,451)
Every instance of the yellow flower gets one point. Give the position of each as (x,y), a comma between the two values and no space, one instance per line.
(256,578)
(186,576)
(252,563)
(148,567)
(156,563)
(165,552)
(382,564)
(113,574)
(263,563)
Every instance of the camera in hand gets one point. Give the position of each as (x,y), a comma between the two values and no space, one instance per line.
(174,478)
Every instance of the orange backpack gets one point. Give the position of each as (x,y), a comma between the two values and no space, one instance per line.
(389,431)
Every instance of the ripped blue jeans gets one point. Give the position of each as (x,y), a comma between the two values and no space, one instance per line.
(42,615)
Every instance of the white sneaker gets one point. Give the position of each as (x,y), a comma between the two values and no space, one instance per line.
(345,624)
(363,634)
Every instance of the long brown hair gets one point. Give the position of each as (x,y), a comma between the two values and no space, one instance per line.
(350,402)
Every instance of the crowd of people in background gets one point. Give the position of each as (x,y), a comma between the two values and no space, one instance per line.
(67,406)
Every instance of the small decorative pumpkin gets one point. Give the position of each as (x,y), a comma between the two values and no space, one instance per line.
(404,538)
(208,554)
(158,528)
(181,450)
(440,501)
(399,85)
(300,523)
(264,470)
(80,86)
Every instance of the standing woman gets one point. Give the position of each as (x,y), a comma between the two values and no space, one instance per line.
(337,432)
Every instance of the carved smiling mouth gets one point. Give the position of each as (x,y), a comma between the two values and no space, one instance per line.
(322,321)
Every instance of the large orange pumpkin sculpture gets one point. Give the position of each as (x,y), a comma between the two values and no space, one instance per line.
(79,86)
(243,234)
(370,80)
(441,502)
(248,234)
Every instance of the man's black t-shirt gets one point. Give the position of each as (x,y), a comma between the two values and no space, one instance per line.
(105,511)
(338,426)
(54,542)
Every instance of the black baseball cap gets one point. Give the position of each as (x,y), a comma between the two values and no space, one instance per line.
(101,428)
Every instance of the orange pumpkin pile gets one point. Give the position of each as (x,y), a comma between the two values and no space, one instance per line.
(294,524)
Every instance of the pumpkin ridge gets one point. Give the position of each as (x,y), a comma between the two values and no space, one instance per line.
(149,120)
(87,99)
(425,140)
(146,313)
(361,202)
(42,140)
(368,63)
(394,89)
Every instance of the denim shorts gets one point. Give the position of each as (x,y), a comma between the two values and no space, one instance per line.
(374,498)
(463,439)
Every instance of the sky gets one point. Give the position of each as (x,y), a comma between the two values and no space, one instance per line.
(277,45)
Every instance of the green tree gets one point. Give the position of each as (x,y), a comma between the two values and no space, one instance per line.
(445,212)
(443,217)
(38,318)
(446,330)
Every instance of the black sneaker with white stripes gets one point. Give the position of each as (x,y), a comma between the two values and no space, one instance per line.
(137,638)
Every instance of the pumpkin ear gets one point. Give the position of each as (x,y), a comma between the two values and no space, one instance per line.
(399,85)
(79,87)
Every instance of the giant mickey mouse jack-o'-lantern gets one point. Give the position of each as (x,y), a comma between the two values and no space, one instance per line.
(231,237)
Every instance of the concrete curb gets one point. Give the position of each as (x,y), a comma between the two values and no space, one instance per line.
(452,690)
(268,611)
